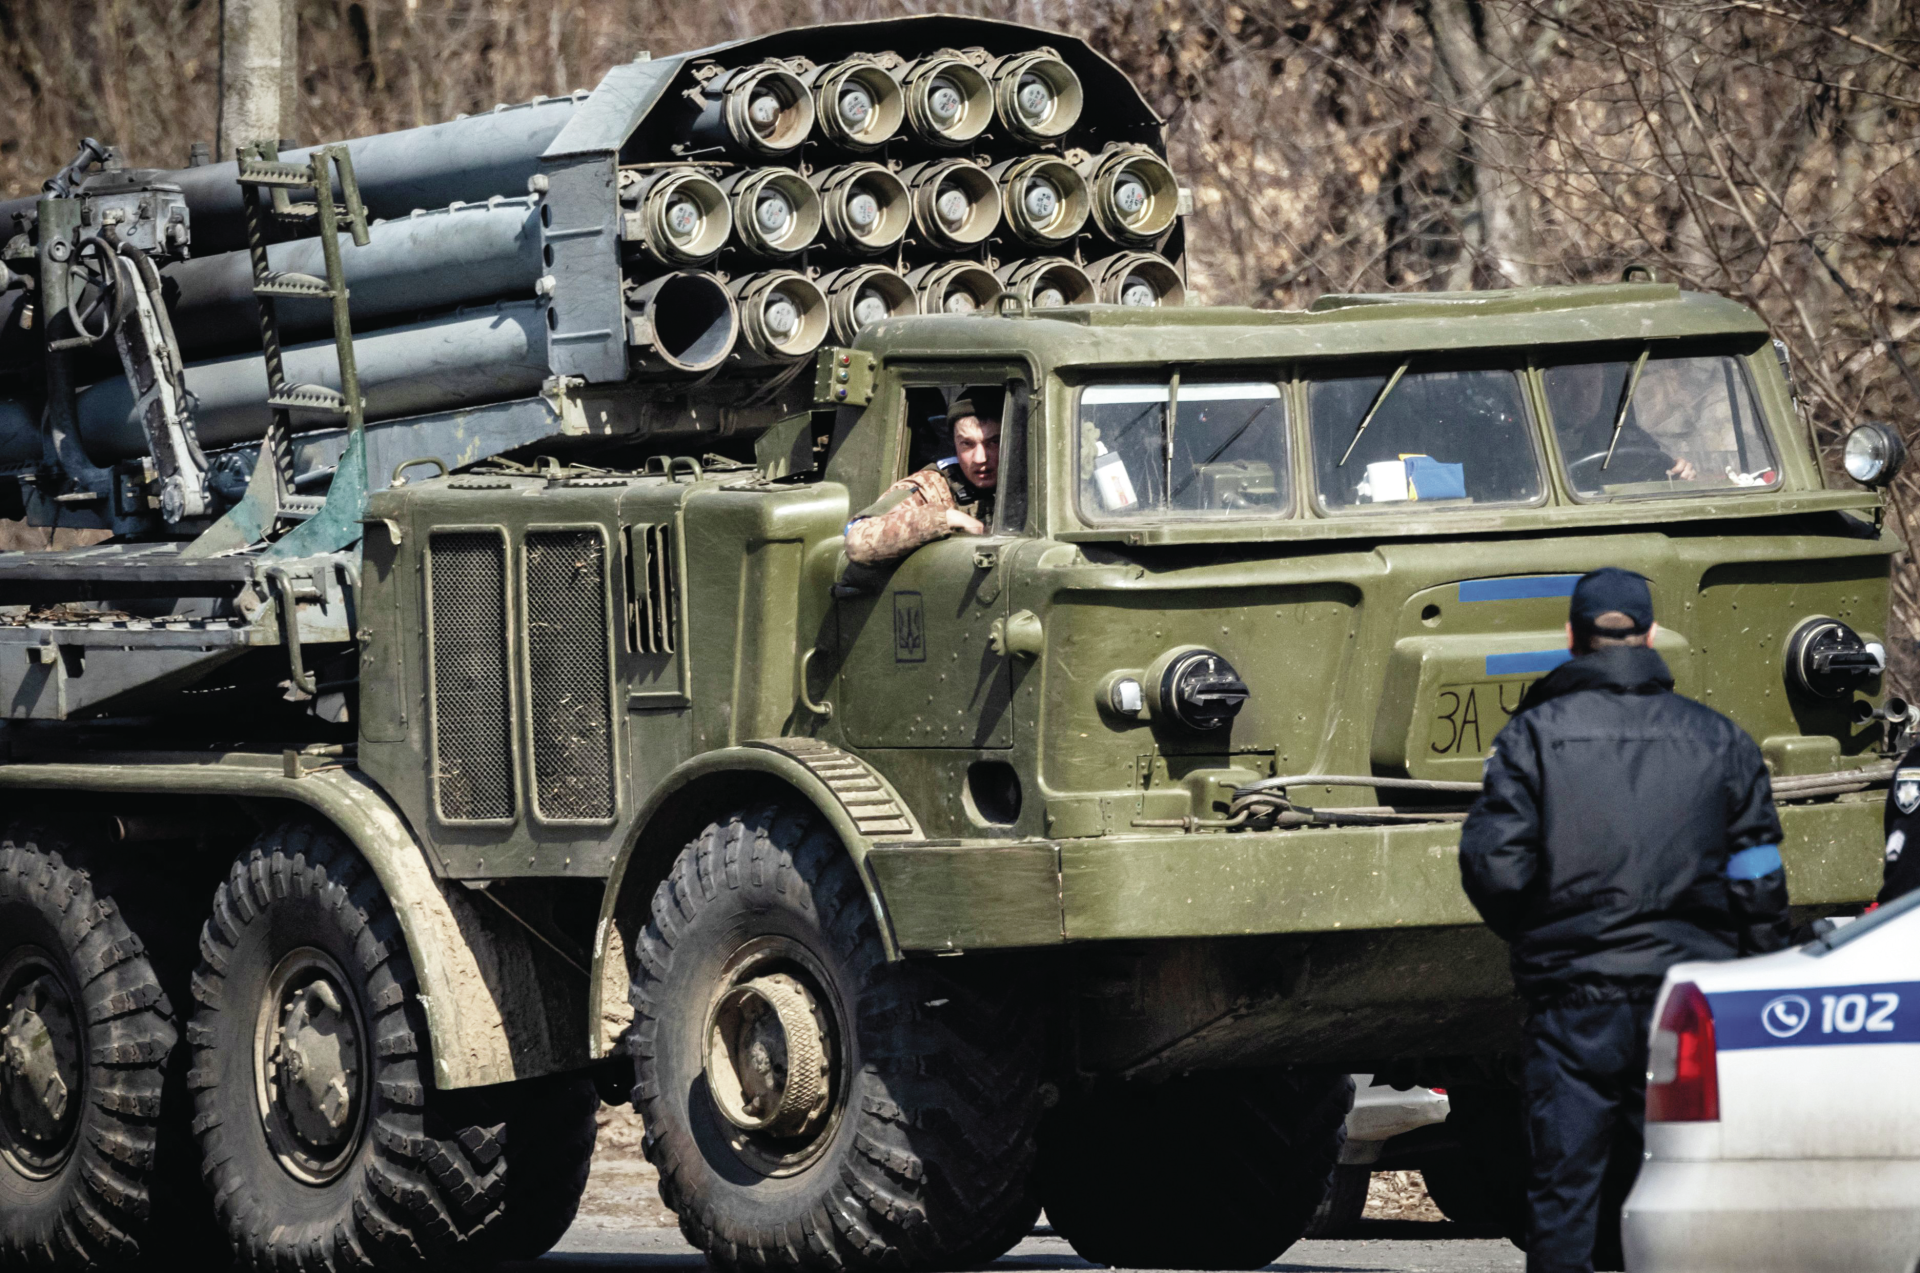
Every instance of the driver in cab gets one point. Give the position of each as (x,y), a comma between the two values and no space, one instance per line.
(1584,413)
(949,496)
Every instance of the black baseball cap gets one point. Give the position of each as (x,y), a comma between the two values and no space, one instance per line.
(1609,590)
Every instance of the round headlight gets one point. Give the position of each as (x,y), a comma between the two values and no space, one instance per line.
(1873,454)
(1199,689)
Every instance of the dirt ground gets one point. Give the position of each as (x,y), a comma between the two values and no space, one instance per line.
(624,1185)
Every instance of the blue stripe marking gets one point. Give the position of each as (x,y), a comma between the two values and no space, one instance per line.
(1530,662)
(1755,863)
(1816,1016)
(1518,588)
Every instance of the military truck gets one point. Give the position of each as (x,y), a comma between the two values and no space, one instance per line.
(469,715)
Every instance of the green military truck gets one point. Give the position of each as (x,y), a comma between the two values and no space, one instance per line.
(360,838)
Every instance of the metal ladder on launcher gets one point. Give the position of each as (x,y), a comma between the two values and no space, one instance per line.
(317,524)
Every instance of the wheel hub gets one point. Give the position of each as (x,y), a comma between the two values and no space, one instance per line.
(40,1067)
(767,1057)
(312,1066)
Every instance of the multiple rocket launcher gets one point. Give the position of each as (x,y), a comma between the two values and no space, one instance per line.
(698,222)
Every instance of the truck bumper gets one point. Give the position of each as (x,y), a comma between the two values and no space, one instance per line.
(971,895)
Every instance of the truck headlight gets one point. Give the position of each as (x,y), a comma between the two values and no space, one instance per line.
(1828,659)
(1873,454)
(1197,688)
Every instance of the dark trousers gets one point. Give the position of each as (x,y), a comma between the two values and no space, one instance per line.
(1584,1078)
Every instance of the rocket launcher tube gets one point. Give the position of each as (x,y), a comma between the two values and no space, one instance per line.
(783,316)
(471,357)
(680,323)
(1137,278)
(1047,282)
(1136,197)
(428,261)
(762,109)
(949,101)
(680,216)
(862,295)
(1045,198)
(1037,96)
(956,203)
(472,158)
(858,102)
(954,287)
(776,212)
(866,208)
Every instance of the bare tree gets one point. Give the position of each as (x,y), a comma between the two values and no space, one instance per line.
(258,61)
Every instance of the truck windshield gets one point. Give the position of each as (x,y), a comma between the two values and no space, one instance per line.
(1227,452)
(1690,426)
(1441,439)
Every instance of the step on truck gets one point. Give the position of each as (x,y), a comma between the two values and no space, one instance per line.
(451,705)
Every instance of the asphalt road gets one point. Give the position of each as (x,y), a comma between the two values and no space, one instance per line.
(607,1245)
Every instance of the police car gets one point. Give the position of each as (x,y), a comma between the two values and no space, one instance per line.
(1783,1126)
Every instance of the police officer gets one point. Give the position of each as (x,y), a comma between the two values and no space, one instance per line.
(1622,829)
(951,495)
(1901,874)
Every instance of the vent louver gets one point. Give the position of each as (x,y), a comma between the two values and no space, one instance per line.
(569,686)
(472,748)
(654,607)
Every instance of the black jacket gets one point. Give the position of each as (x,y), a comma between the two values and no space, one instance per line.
(1623,828)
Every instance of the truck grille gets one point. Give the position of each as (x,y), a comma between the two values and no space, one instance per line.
(570,675)
(472,747)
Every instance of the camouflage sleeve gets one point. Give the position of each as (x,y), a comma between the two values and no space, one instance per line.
(911,512)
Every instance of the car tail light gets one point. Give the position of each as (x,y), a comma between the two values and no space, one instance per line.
(1683,1075)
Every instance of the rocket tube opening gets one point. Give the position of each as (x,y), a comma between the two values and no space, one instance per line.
(1045,198)
(857,103)
(1036,95)
(783,316)
(767,109)
(956,203)
(1135,195)
(954,287)
(865,207)
(949,101)
(1048,282)
(682,322)
(1138,278)
(862,295)
(684,218)
(776,212)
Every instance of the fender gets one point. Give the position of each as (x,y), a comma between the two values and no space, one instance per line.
(850,794)
(485,1010)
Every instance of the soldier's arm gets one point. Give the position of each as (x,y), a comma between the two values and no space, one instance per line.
(1500,844)
(1756,877)
(908,514)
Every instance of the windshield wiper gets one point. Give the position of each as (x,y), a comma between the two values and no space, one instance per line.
(1222,448)
(1367,419)
(1166,452)
(1626,401)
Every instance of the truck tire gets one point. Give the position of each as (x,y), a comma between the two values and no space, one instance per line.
(1345,1203)
(1215,1170)
(321,1134)
(810,1106)
(85,1035)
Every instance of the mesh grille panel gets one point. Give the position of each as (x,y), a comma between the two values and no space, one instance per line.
(567,638)
(472,752)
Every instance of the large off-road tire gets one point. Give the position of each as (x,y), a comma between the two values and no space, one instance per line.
(1216,1170)
(889,1110)
(321,1133)
(85,1035)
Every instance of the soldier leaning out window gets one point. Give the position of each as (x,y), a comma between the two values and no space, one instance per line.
(948,496)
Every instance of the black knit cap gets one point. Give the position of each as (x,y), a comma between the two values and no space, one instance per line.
(984,401)
(1607,590)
